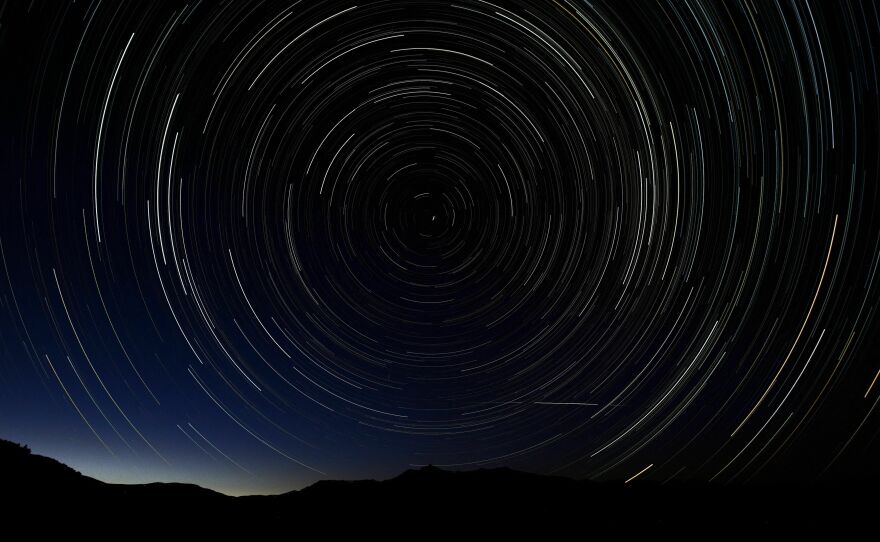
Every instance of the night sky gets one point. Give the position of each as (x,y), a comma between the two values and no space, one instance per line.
(254,244)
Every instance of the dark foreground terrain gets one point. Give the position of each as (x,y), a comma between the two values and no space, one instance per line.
(36,493)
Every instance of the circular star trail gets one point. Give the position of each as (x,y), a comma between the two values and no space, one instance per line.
(251,241)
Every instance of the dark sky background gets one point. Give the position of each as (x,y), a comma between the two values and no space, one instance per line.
(251,245)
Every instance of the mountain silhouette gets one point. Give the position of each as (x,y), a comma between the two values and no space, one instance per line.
(431,498)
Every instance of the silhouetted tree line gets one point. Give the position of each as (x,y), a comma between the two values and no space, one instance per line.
(13,448)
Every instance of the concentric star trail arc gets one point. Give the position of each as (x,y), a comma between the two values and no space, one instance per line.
(630,240)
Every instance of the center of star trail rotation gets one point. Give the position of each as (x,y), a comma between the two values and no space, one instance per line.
(253,244)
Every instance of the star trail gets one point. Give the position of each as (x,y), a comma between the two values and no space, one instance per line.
(253,244)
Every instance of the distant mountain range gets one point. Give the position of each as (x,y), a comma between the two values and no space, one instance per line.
(431,499)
